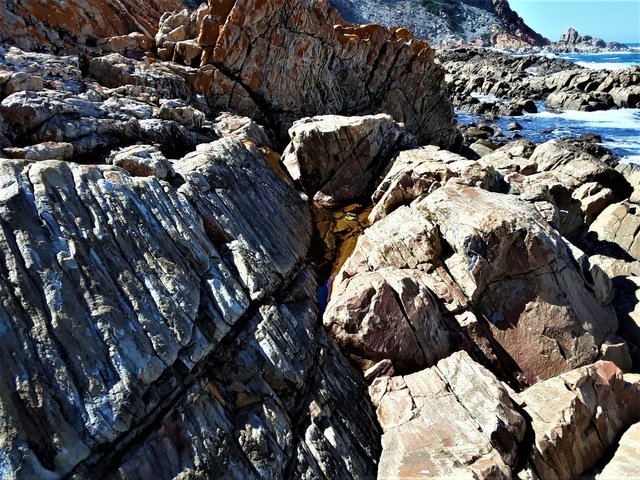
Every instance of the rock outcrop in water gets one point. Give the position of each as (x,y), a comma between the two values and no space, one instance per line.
(571,41)
(162,312)
(489,82)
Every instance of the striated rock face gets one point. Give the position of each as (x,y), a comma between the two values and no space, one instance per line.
(454,420)
(123,299)
(332,67)
(75,26)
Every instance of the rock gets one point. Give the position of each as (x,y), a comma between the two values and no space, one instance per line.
(575,417)
(42,151)
(572,41)
(114,70)
(481,149)
(594,198)
(411,174)
(619,224)
(123,44)
(75,26)
(513,126)
(512,157)
(518,275)
(242,128)
(631,172)
(389,314)
(142,161)
(187,52)
(335,158)
(150,286)
(181,112)
(21,82)
(333,68)
(455,420)
(624,464)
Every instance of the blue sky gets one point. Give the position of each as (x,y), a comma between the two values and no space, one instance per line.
(611,20)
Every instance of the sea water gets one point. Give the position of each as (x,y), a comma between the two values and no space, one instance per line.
(619,129)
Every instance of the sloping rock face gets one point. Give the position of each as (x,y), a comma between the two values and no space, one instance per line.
(133,307)
(332,67)
(454,420)
(75,26)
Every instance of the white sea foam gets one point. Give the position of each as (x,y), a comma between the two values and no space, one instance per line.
(605,65)
(618,119)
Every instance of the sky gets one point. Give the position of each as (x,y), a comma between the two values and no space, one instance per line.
(611,20)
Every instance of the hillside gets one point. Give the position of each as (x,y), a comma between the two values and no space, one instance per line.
(491,22)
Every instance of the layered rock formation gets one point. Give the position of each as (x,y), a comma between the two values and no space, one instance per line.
(332,67)
(162,313)
(76,26)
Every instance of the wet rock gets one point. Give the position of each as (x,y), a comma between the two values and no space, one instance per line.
(513,126)
(452,420)
(335,158)
(575,417)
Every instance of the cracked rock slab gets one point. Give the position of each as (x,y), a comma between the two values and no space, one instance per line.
(454,420)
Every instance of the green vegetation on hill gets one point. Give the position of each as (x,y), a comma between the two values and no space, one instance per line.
(451,10)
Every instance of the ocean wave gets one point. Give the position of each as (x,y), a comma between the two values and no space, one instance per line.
(626,118)
(605,65)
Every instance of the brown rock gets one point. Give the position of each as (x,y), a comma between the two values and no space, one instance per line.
(331,68)
(620,224)
(455,420)
(520,278)
(72,26)
(575,417)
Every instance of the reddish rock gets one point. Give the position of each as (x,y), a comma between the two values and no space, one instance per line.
(37,25)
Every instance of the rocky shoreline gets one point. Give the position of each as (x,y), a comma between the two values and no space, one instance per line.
(257,245)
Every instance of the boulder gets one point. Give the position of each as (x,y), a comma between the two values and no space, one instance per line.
(577,416)
(519,276)
(142,161)
(619,224)
(42,151)
(335,159)
(454,420)
(417,172)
